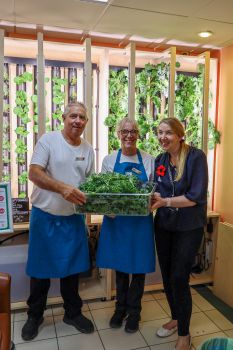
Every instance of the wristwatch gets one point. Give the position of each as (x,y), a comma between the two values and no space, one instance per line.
(168,202)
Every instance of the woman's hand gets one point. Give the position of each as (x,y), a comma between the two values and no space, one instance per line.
(157,201)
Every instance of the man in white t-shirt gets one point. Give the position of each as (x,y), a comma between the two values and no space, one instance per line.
(58,246)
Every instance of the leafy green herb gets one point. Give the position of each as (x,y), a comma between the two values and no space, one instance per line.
(114,193)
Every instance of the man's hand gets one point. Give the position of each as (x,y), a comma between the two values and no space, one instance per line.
(73,195)
(39,177)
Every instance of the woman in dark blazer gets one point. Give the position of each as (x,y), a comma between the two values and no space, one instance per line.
(181,202)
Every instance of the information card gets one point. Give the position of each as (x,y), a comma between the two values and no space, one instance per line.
(6,222)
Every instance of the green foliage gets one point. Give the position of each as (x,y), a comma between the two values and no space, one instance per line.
(114,193)
(58,100)
(21,110)
(118,104)
(73,81)
(21,148)
(23,177)
(6,145)
(22,195)
(214,135)
(23,78)
(152,88)
(152,84)
(6,108)
(6,178)
(188,106)
(20,130)
(113,183)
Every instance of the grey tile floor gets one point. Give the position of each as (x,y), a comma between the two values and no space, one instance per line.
(54,334)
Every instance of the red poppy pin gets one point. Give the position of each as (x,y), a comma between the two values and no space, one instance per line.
(160,171)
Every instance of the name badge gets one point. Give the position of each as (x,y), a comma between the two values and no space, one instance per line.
(136,171)
(80,158)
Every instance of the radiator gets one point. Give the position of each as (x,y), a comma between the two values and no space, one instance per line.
(223,272)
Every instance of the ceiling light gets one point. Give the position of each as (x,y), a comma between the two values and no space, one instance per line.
(94,0)
(211,47)
(205,34)
(146,40)
(62,30)
(108,35)
(6,23)
(26,25)
(181,43)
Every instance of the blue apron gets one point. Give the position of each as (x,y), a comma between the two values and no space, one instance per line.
(58,245)
(126,243)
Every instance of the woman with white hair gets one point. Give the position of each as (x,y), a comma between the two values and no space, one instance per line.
(126,243)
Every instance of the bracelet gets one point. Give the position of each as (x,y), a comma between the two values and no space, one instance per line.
(168,202)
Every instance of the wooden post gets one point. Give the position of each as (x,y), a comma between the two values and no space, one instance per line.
(102,130)
(88,89)
(205,114)
(41,85)
(1,97)
(131,90)
(171,106)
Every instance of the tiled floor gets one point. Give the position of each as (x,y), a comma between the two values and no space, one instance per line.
(54,334)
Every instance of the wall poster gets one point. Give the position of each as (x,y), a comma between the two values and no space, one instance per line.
(6,222)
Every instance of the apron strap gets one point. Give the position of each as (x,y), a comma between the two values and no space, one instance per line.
(117,159)
(139,156)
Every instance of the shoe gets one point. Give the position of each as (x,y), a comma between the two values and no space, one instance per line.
(117,319)
(30,328)
(132,324)
(80,322)
(164,332)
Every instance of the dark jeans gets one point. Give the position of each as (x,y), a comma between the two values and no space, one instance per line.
(129,294)
(176,253)
(69,291)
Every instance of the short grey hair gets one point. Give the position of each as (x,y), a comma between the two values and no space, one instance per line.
(74,104)
(125,120)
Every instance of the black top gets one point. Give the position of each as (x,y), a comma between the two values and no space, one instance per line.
(193,185)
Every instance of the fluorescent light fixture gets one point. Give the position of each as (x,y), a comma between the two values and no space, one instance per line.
(211,47)
(146,40)
(94,1)
(108,35)
(205,34)
(7,23)
(181,43)
(18,25)
(62,30)
(26,25)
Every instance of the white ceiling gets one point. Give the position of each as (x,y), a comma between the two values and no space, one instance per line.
(167,19)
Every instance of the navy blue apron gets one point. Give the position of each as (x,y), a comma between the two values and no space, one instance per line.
(126,243)
(58,245)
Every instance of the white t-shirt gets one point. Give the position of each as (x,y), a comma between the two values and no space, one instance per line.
(148,162)
(63,162)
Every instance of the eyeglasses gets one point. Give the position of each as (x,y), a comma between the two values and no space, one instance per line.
(132,132)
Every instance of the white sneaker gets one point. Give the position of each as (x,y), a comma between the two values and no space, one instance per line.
(164,332)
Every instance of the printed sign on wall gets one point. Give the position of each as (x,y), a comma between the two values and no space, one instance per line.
(6,222)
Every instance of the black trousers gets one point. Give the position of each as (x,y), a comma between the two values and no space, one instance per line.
(69,291)
(176,253)
(129,293)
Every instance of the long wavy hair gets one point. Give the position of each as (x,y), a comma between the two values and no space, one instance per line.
(178,129)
